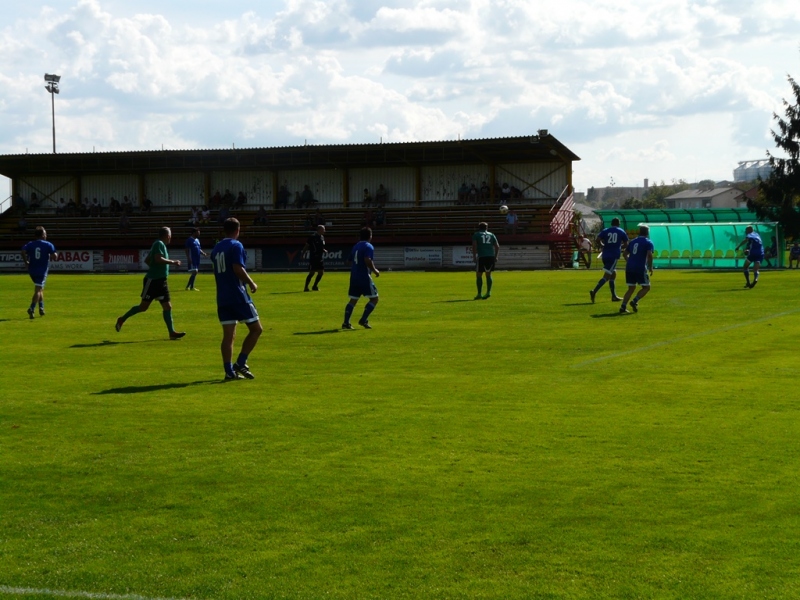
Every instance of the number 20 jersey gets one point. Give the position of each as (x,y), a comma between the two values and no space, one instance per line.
(230,289)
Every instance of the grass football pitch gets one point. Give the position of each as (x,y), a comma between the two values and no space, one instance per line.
(533,445)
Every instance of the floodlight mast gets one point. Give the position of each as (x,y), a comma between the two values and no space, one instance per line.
(52,87)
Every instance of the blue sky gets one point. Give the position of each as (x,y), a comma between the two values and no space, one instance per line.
(662,90)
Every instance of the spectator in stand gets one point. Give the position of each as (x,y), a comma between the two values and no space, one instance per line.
(84,209)
(216,200)
(22,224)
(298,203)
(147,205)
(241,200)
(20,205)
(511,222)
(380,217)
(262,217)
(368,220)
(72,208)
(61,207)
(473,194)
(194,216)
(205,215)
(124,223)
(381,196)
(307,197)
(114,207)
(771,252)
(127,207)
(224,214)
(95,210)
(463,193)
(516,193)
(367,200)
(283,197)
(228,198)
(484,193)
(34,202)
(794,255)
(505,194)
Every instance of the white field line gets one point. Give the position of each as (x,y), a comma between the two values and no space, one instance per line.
(682,339)
(23,591)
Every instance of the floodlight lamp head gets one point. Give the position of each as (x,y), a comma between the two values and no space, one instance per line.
(52,77)
(543,133)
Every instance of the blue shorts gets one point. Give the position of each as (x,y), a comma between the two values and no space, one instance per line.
(38,279)
(237,313)
(362,287)
(637,277)
(610,264)
(754,258)
(193,266)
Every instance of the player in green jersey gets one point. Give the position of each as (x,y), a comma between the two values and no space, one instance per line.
(155,283)
(484,252)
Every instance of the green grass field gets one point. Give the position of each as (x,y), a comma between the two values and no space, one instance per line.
(530,446)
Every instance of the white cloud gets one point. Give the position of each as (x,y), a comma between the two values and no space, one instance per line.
(601,75)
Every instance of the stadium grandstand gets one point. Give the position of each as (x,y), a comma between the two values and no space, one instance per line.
(423,200)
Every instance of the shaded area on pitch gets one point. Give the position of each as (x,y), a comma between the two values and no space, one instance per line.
(321,332)
(142,389)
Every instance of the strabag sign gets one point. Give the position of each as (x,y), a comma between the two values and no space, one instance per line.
(420,257)
(73,260)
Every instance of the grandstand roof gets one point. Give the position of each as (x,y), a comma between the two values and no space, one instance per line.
(532,148)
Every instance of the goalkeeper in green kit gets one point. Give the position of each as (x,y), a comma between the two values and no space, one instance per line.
(484,252)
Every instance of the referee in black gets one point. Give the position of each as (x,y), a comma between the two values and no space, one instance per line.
(315,245)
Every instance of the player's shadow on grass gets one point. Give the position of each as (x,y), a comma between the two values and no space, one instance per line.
(141,389)
(451,301)
(737,289)
(110,343)
(320,332)
(614,314)
(284,293)
(578,304)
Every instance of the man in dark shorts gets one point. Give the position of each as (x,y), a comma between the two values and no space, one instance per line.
(484,252)
(315,246)
(638,268)
(155,283)
(234,304)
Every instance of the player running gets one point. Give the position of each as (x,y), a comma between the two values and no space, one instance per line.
(639,267)
(315,245)
(37,255)
(755,254)
(485,249)
(613,240)
(154,286)
(193,254)
(360,281)
(233,302)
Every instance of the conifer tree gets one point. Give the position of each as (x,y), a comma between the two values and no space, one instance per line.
(778,195)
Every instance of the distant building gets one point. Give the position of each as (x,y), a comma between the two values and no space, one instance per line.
(721,197)
(750,170)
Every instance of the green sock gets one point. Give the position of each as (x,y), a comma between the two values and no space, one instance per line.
(489,282)
(168,320)
(130,313)
(480,285)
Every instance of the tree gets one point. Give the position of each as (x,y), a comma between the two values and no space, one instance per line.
(655,195)
(778,195)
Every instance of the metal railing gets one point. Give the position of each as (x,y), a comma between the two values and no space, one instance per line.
(6,205)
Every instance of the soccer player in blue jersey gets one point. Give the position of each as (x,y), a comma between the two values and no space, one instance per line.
(755,254)
(193,254)
(233,302)
(37,255)
(613,240)
(639,267)
(360,281)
